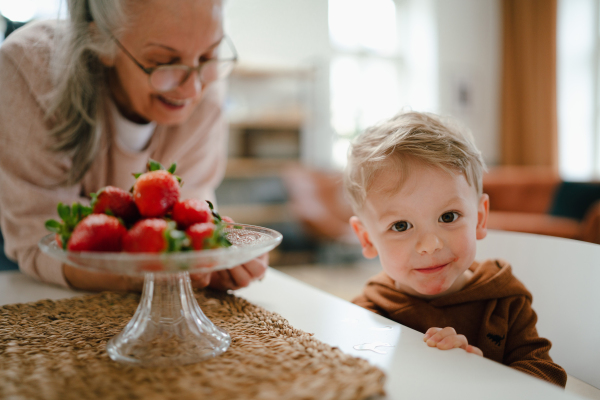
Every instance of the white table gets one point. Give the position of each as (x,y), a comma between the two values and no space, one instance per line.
(414,371)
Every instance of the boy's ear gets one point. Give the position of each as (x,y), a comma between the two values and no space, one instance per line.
(368,250)
(483,210)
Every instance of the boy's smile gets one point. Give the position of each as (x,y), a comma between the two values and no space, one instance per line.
(425,231)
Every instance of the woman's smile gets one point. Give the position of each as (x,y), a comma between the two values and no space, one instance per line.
(171,103)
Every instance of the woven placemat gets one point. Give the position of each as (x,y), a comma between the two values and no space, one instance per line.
(57,350)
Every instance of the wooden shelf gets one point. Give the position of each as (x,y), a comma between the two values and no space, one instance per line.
(287,122)
(257,214)
(255,71)
(257,167)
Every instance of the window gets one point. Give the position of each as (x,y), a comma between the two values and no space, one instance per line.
(578,50)
(383,59)
(20,11)
(26,10)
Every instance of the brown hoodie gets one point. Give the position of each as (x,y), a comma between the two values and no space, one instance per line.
(493,311)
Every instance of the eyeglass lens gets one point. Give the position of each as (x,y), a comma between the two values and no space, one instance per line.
(169,77)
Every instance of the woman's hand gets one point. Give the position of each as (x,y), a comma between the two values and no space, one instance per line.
(96,281)
(240,276)
(234,278)
(447,338)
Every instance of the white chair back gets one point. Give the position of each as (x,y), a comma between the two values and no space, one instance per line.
(563,276)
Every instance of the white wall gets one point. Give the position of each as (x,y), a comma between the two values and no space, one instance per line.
(295,32)
(470,55)
(279,32)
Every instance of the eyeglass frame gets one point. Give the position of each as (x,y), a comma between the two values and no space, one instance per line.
(150,70)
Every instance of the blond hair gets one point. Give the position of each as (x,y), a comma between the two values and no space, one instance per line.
(411,137)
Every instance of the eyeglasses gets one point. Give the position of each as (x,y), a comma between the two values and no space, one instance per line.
(165,78)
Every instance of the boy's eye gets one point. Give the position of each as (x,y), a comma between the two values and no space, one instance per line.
(449,217)
(401,226)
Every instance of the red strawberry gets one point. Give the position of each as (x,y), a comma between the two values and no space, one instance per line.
(225,218)
(191,211)
(155,193)
(115,201)
(147,236)
(97,232)
(153,235)
(200,235)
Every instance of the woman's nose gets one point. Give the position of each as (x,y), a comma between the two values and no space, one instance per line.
(191,87)
(429,243)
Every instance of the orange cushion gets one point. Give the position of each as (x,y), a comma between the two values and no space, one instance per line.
(541,224)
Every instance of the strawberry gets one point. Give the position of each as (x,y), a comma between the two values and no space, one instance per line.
(154,235)
(97,232)
(207,235)
(191,211)
(200,235)
(225,218)
(70,217)
(156,191)
(115,201)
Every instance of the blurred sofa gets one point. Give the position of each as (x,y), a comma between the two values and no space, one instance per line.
(536,200)
(522,199)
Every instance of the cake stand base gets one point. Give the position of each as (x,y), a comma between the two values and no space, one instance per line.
(168,327)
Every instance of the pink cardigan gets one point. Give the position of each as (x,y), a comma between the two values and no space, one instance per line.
(29,172)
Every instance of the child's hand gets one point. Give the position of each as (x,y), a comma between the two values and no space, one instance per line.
(447,338)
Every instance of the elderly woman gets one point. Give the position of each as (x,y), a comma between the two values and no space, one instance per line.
(87,101)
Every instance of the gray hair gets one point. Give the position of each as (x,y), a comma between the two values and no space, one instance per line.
(411,136)
(79,77)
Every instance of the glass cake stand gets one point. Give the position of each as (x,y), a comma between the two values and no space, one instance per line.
(168,327)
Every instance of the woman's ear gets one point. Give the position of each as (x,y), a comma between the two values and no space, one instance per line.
(368,249)
(104,59)
(483,210)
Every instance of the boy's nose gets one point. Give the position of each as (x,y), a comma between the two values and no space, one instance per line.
(429,243)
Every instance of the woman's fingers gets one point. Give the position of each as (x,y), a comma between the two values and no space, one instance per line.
(258,267)
(200,280)
(240,276)
(221,280)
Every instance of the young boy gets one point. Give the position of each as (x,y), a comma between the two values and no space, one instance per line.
(415,184)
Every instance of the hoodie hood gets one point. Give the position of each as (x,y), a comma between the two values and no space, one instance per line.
(492,279)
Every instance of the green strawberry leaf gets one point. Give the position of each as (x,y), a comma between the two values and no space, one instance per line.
(214,213)
(64,239)
(219,237)
(172,168)
(64,211)
(176,240)
(70,216)
(53,226)
(94,197)
(154,165)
